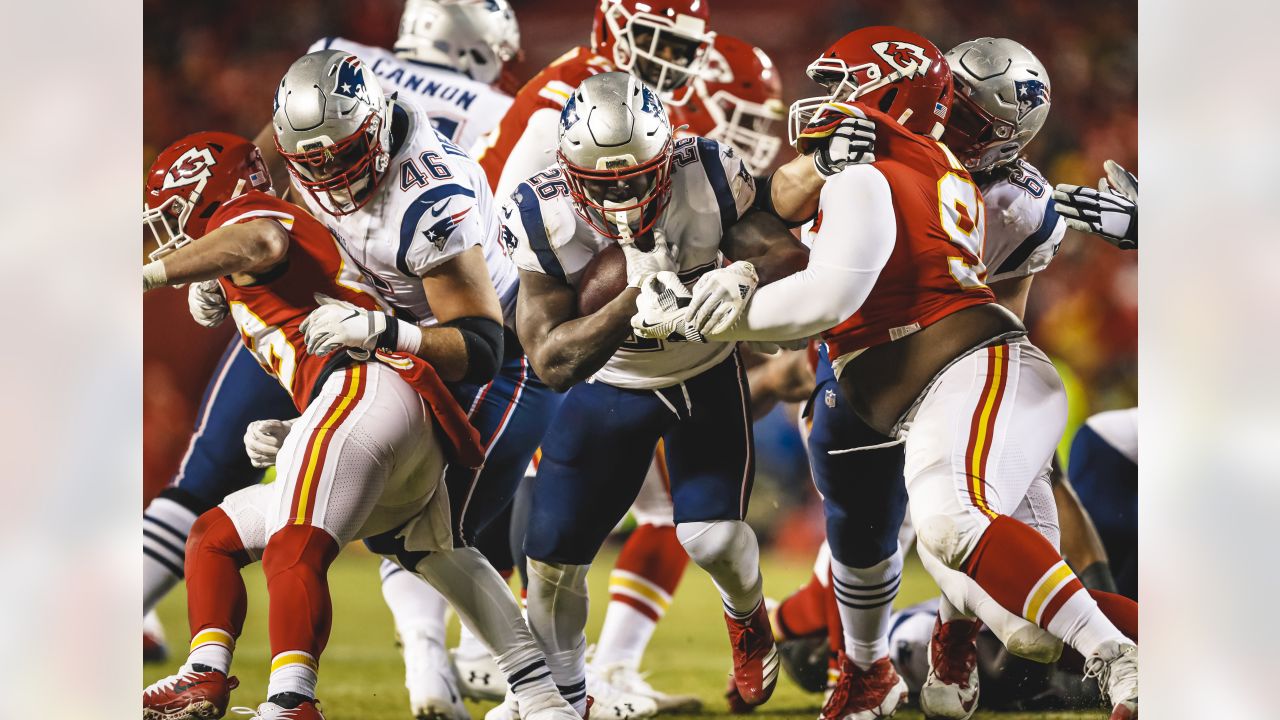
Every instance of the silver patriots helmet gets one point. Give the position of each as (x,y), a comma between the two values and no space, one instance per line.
(474,37)
(615,151)
(333,128)
(1001,101)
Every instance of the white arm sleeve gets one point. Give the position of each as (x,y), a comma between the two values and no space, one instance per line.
(533,152)
(857,235)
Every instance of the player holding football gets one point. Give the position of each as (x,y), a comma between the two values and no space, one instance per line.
(365,458)
(622,179)
(917,343)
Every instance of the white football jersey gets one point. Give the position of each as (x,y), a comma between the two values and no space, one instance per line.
(1024,230)
(710,189)
(432,205)
(462,109)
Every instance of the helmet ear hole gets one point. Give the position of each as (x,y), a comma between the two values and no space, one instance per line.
(886,101)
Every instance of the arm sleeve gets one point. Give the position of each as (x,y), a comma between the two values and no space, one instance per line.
(857,234)
(533,152)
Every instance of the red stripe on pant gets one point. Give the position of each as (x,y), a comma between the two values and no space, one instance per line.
(352,392)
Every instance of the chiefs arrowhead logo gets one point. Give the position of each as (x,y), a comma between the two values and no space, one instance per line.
(191,167)
(717,69)
(901,54)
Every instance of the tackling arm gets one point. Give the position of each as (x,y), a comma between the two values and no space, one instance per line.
(762,240)
(793,189)
(251,247)
(467,344)
(565,350)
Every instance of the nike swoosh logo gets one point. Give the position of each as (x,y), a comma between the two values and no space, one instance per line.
(441,206)
(354,314)
(183,687)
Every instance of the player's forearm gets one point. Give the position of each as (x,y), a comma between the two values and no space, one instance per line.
(802,305)
(574,350)
(1013,293)
(794,189)
(250,247)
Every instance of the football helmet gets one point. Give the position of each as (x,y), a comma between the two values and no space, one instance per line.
(474,37)
(664,42)
(333,128)
(191,179)
(737,100)
(1001,101)
(888,68)
(615,152)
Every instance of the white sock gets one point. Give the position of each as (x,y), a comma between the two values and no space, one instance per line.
(1082,625)
(293,671)
(728,551)
(165,526)
(469,646)
(212,647)
(558,618)
(865,598)
(415,605)
(624,636)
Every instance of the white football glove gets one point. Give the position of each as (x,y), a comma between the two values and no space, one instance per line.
(641,264)
(838,138)
(263,439)
(1111,214)
(1122,181)
(207,303)
(662,310)
(720,295)
(336,324)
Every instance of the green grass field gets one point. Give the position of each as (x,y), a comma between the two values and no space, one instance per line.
(362,678)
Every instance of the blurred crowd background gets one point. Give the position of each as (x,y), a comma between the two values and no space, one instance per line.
(214,65)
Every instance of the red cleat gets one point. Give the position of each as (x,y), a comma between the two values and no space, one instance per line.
(755,657)
(951,690)
(870,694)
(737,706)
(188,695)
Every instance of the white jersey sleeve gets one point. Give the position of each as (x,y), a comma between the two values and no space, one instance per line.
(532,152)
(539,226)
(1024,230)
(726,171)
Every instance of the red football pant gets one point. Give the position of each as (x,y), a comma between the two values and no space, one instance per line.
(296,563)
(216,597)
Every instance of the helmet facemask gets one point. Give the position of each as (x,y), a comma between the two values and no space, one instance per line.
(667,55)
(341,176)
(979,139)
(746,126)
(842,83)
(620,197)
(168,221)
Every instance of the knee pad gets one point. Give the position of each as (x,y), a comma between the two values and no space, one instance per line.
(716,540)
(1034,643)
(214,532)
(295,545)
(951,539)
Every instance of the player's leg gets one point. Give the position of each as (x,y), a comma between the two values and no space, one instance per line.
(478,676)
(592,464)
(1106,482)
(214,465)
(711,457)
(982,434)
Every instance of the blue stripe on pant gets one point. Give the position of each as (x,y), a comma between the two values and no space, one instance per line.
(864,495)
(215,464)
(1107,483)
(598,449)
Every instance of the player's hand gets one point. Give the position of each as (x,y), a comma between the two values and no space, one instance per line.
(1121,181)
(719,297)
(662,310)
(263,439)
(838,136)
(207,303)
(338,324)
(641,264)
(1103,212)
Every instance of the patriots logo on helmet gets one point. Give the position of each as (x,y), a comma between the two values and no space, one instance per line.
(438,234)
(569,115)
(899,55)
(1031,95)
(191,167)
(652,104)
(350,80)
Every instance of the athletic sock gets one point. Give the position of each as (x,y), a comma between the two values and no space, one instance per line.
(216,597)
(1022,571)
(801,613)
(640,589)
(212,647)
(293,672)
(415,605)
(165,526)
(557,618)
(865,597)
(727,550)
(296,564)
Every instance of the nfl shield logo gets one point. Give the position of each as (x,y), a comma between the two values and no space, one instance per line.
(830,398)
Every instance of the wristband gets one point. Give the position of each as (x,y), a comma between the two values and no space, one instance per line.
(400,336)
(154,275)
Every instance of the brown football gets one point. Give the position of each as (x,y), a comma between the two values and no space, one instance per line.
(602,280)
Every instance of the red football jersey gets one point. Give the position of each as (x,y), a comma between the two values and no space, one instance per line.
(550,89)
(268,313)
(935,268)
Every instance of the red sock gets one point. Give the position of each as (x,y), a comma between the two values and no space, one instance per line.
(1120,610)
(651,559)
(296,563)
(1021,571)
(216,596)
(802,613)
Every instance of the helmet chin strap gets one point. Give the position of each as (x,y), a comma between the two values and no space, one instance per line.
(624,226)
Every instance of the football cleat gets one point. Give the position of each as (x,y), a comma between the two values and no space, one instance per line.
(192,693)
(307,710)
(1115,665)
(870,694)
(478,677)
(433,692)
(614,702)
(543,706)
(629,681)
(755,656)
(154,649)
(950,692)
(737,706)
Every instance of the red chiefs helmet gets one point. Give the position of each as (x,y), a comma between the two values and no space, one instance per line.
(893,70)
(663,42)
(191,179)
(737,101)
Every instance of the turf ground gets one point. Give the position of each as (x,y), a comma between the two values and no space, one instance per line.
(362,678)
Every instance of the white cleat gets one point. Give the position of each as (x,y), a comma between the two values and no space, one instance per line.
(617,703)
(1115,665)
(630,681)
(546,706)
(951,690)
(508,709)
(433,691)
(478,676)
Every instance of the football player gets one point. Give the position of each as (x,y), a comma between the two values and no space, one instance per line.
(365,458)
(621,178)
(974,446)
(1104,473)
